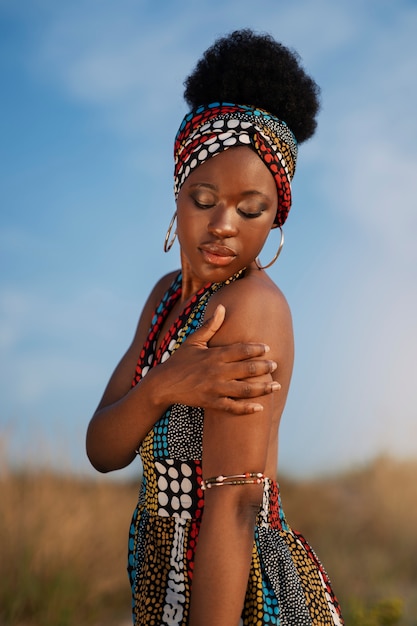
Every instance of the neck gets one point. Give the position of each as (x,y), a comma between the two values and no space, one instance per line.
(190,282)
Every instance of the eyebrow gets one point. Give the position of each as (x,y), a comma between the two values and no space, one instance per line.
(208,185)
(248,192)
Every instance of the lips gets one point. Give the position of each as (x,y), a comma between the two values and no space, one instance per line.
(216,254)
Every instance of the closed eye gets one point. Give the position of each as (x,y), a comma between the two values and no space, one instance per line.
(202,205)
(249,214)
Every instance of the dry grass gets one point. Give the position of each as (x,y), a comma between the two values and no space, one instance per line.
(63,550)
(63,544)
(363,525)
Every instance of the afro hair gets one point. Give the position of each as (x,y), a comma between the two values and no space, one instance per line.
(254,69)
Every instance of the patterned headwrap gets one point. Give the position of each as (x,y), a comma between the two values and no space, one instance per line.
(208,130)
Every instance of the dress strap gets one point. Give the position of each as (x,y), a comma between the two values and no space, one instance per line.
(187,322)
(191,316)
(146,356)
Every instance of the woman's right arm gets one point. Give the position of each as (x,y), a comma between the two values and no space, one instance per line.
(125,414)
(116,428)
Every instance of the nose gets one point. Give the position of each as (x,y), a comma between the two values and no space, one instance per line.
(223,221)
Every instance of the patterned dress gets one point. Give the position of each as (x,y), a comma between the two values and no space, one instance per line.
(287,584)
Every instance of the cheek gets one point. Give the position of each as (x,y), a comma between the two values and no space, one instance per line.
(258,234)
(181,218)
(187,225)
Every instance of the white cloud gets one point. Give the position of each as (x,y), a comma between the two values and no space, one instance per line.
(130,62)
(356,318)
(368,137)
(377,175)
(118,58)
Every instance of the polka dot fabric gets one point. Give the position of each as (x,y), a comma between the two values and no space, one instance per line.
(287,585)
(209,130)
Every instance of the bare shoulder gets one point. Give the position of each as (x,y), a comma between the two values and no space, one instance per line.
(256,310)
(161,287)
(152,302)
(121,379)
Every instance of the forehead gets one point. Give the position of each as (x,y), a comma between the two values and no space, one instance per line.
(235,168)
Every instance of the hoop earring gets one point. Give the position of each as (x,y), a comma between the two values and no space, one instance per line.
(281,243)
(168,244)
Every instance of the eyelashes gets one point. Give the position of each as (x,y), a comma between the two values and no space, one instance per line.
(203,206)
(246,214)
(250,215)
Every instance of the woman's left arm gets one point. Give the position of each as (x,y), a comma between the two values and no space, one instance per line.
(235,445)
(232,445)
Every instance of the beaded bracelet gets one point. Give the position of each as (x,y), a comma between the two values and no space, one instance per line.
(249,478)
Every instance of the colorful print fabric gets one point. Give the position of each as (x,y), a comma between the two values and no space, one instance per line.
(209,130)
(287,584)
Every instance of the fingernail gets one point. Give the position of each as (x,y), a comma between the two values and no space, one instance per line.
(275,386)
(267,348)
(257,408)
(273,366)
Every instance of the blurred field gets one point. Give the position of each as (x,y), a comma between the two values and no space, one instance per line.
(63,544)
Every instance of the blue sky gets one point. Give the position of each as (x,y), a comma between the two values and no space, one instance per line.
(91,100)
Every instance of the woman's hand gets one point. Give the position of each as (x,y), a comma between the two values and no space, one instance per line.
(223,378)
(219,378)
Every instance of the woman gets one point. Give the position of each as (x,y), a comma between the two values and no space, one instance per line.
(200,392)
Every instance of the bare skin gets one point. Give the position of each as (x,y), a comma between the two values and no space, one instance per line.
(226,210)
(235,444)
(124,415)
